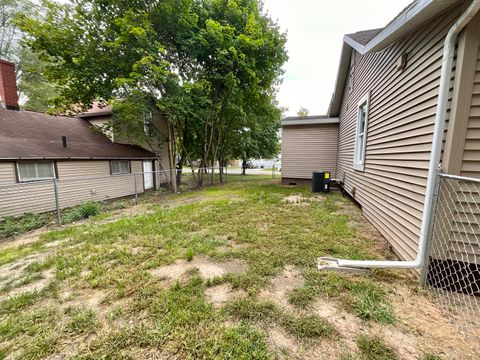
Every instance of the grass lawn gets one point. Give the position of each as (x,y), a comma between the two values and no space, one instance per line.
(228,272)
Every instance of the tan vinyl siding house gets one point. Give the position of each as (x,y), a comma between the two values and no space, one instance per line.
(402,108)
(386,98)
(308,144)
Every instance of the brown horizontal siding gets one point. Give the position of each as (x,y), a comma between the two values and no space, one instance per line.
(391,189)
(308,148)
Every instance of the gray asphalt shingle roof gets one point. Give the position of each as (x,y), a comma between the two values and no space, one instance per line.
(27,134)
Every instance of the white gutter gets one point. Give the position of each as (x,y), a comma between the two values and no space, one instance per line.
(446,73)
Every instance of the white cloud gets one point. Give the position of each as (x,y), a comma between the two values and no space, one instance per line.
(315,32)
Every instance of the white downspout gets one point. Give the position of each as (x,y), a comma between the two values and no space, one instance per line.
(446,73)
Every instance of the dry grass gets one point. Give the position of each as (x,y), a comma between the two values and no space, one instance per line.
(227,272)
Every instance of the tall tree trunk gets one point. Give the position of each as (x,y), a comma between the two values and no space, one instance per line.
(180,164)
(244,166)
(171,157)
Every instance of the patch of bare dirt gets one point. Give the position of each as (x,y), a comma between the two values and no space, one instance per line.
(421,328)
(172,202)
(290,347)
(302,200)
(207,268)
(431,327)
(89,298)
(281,285)
(15,271)
(349,327)
(220,294)
(364,228)
(22,240)
(37,285)
(345,323)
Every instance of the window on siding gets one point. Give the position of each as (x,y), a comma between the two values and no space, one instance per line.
(34,171)
(118,167)
(361,134)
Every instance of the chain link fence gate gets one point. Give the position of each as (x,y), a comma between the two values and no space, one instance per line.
(453,273)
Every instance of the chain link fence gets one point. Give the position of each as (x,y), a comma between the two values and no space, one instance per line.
(453,273)
(50,195)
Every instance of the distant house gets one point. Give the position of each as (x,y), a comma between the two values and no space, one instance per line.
(35,148)
(385,103)
(102,119)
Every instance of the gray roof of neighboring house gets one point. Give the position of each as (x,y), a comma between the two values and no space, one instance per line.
(309,120)
(31,135)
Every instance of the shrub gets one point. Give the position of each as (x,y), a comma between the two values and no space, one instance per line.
(83,211)
(15,226)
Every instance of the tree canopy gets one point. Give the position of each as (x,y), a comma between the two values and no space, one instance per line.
(34,88)
(208,67)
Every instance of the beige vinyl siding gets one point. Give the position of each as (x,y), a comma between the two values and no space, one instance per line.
(308,148)
(7,173)
(471,153)
(402,109)
(19,198)
(79,181)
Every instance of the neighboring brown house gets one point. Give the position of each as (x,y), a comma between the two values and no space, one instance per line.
(35,148)
(385,98)
(101,117)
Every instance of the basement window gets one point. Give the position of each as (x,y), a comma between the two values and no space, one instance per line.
(35,171)
(119,167)
(361,133)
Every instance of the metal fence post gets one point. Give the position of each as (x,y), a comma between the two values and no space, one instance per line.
(57,201)
(429,239)
(135,187)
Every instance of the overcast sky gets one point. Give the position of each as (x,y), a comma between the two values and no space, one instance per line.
(315,32)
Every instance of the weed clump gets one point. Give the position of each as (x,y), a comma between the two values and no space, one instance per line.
(13,226)
(374,348)
(83,211)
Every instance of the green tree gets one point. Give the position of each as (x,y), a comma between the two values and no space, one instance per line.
(258,138)
(32,84)
(198,63)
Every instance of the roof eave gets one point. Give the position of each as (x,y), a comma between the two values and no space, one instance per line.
(336,101)
(76,158)
(409,20)
(319,121)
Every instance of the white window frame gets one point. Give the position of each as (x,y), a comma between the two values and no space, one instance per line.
(361,138)
(37,178)
(121,172)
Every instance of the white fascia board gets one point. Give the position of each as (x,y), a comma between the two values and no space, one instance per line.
(349,41)
(310,122)
(343,66)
